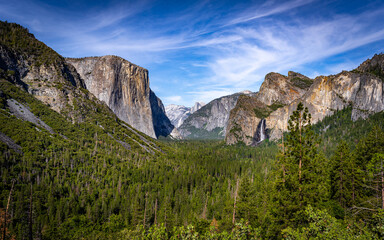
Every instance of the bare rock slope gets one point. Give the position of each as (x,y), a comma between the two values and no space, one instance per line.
(124,87)
(178,113)
(361,88)
(276,91)
(210,121)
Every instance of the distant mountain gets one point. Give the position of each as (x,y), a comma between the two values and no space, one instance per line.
(29,69)
(124,87)
(178,113)
(362,89)
(210,121)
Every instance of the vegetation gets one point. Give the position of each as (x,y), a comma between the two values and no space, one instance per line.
(98,179)
(262,112)
(18,38)
(202,133)
(302,83)
(90,186)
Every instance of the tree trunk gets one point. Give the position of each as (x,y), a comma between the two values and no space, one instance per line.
(234,204)
(145,208)
(205,208)
(30,217)
(6,211)
(156,212)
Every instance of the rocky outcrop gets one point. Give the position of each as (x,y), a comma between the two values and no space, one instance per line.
(281,89)
(124,87)
(210,121)
(197,106)
(362,91)
(42,72)
(276,91)
(361,88)
(178,113)
(39,71)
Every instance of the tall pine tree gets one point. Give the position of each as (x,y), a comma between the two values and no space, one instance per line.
(342,178)
(299,173)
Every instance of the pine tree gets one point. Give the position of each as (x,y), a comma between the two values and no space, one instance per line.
(246,204)
(342,177)
(368,163)
(299,172)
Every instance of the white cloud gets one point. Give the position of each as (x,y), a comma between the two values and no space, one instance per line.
(267,10)
(282,47)
(208,95)
(173,99)
(230,50)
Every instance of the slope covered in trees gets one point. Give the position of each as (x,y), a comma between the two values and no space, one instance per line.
(100,179)
(82,182)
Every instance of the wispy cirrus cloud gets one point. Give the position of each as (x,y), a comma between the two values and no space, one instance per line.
(209,48)
(267,9)
(282,47)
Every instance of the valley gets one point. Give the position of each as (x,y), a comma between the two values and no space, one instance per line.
(88,151)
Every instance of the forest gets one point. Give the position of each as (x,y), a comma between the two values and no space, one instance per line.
(323,181)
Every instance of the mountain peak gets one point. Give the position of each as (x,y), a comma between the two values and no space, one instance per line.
(197,106)
(375,65)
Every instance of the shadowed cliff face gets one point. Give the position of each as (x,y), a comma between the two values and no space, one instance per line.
(161,123)
(362,88)
(124,87)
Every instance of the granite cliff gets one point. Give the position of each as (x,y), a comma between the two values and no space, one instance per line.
(276,91)
(361,88)
(124,87)
(210,121)
(178,113)
(40,87)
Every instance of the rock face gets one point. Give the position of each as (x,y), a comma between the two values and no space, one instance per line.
(197,106)
(124,87)
(361,88)
(281,89)
(210,121)
(42,72)
(161,123)
(178,113)
(276,91)
(29,67)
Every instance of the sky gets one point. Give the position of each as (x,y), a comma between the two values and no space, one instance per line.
(202,50)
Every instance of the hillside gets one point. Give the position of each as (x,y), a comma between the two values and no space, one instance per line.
(72,169)
(361,88)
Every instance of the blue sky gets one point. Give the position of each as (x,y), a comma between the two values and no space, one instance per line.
(201,50)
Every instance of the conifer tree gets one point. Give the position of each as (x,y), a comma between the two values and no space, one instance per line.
(342,177)
(246,203)
(299,172)
(368,158)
